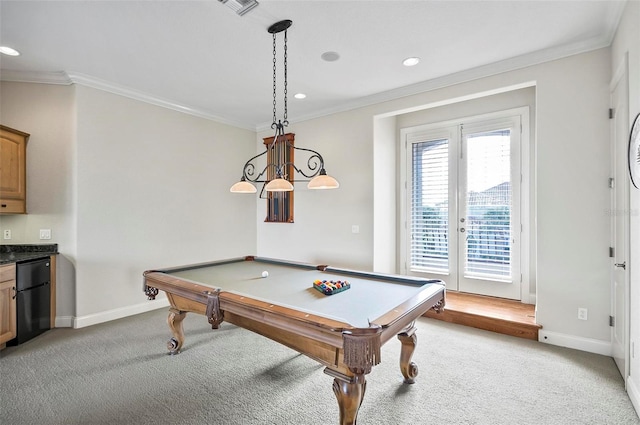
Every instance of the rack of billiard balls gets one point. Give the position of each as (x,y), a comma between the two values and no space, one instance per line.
(330,287)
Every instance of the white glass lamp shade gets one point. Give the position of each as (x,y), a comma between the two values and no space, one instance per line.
(279,185)
(323,181)
(243,186)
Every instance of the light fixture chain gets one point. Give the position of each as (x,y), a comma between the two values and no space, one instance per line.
(286,122)
(274,79)
(280,150)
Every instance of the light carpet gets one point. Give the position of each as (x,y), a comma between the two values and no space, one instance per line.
(119,373)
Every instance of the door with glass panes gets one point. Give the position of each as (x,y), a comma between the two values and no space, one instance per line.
(463,205)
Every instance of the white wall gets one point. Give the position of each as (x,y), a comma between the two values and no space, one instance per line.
(572,158)
(323,218)
(385,182)
(125,186)
(47,113)
(627,41)
(153,191)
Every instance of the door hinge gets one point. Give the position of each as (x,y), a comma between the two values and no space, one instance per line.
(612,252)
(612,321)
(612,113)
(612,183)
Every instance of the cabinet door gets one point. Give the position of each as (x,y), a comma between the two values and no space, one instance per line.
(7,311)
(13,144)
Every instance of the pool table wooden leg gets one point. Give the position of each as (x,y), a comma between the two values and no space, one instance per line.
(407,367)
(349,391)
(175,324)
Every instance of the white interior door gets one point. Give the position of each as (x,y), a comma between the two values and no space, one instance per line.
(620,221)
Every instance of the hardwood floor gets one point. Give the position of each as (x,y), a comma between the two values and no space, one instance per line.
(492,314)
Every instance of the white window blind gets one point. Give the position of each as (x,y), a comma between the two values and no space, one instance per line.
(430,207)
(488,205)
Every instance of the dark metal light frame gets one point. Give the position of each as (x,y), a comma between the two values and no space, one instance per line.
(314,172)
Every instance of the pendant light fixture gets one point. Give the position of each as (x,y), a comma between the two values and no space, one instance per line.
(277,165)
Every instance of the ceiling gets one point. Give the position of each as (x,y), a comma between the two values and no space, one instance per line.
(202,58)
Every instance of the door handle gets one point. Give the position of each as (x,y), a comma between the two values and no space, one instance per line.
(14,293)
(623,265)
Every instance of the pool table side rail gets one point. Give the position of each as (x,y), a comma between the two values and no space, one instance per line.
(412,280)
(265,260)
(396,320)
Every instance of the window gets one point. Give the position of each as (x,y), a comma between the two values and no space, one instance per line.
(429,206)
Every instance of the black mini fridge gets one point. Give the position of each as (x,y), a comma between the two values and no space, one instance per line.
(33,299)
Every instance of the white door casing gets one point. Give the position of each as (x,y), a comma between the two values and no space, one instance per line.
(620,215)
(445,200)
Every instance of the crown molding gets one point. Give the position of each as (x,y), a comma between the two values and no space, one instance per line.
(483,71)
(60,77)
(68,78)
(96,83)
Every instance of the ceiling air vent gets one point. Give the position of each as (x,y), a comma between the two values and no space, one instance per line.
(240,6)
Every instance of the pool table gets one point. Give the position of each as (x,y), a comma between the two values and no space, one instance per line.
(343,331)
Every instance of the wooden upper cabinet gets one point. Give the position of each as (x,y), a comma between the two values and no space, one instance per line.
(13,171)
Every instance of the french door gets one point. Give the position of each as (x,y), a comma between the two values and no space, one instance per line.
(463,204)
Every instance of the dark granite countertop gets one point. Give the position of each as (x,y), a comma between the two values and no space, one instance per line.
(25,252)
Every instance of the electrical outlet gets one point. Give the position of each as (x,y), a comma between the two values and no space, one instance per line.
(355,228)
(582,313)
(7,234)
(45,233)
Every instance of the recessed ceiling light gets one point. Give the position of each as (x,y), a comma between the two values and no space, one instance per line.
(411,61)
(9,51)
(299,95)
(330,56)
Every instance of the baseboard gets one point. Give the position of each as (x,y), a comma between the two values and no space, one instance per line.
(634,394)
(579,343)
(118,313)
(528,298)
(64,322)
